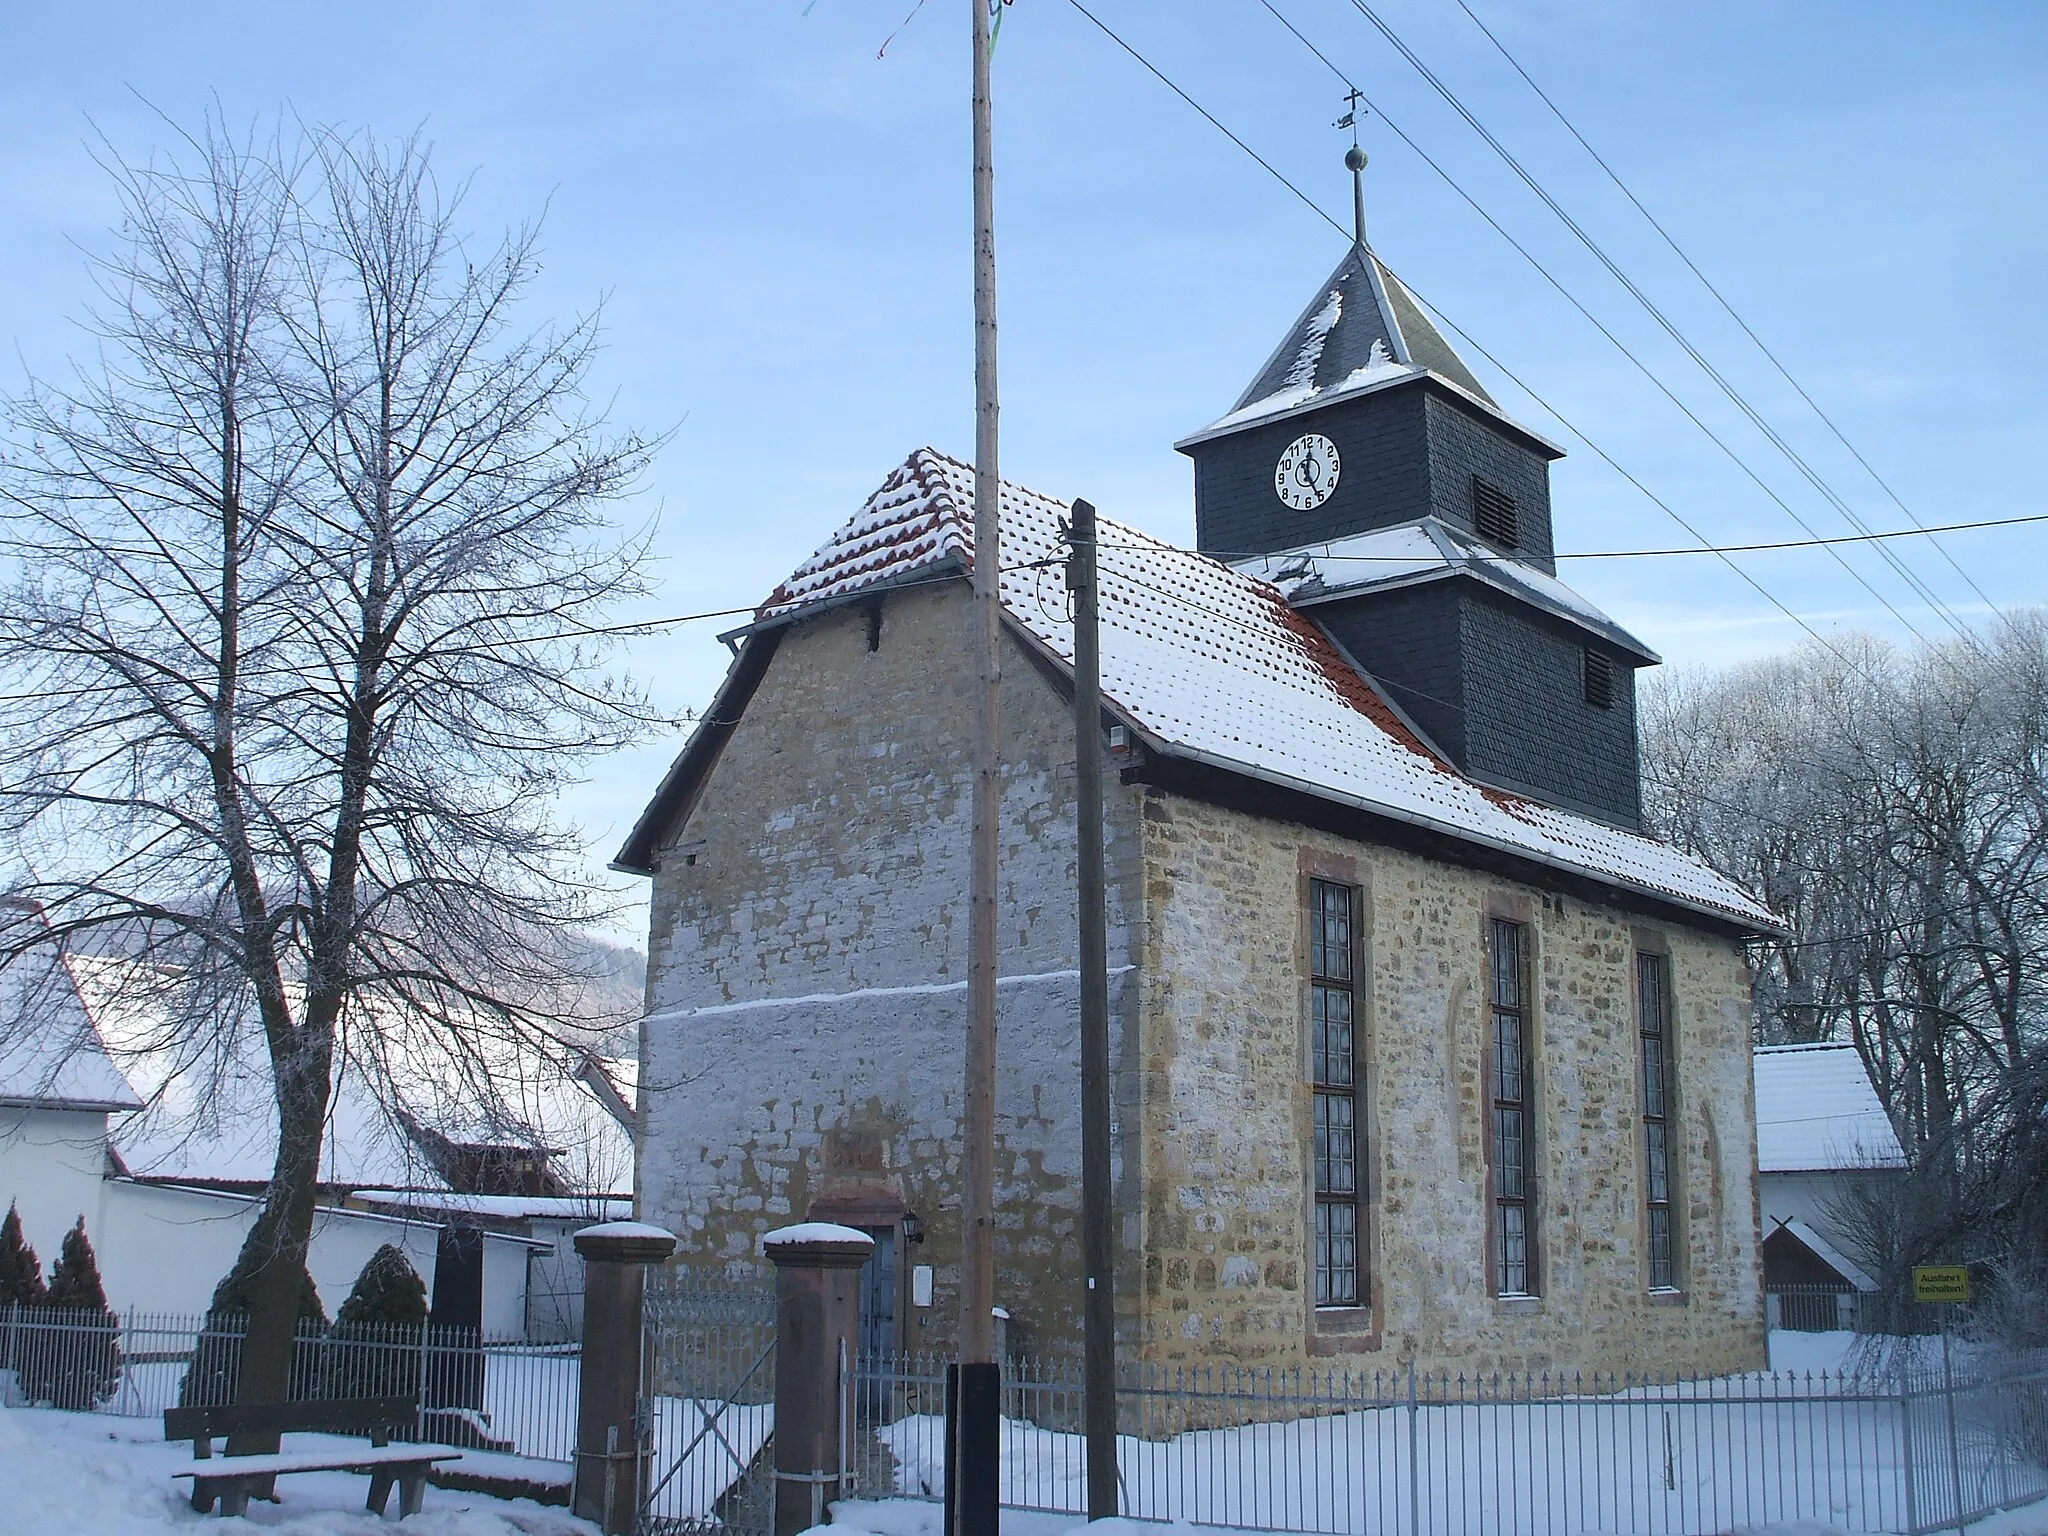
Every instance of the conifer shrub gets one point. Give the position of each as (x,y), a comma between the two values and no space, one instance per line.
(373,1348)
(21,1285)
(75,1362)
(215,1373)
(21,1272)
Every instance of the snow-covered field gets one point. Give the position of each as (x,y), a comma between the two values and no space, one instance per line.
(98,1475)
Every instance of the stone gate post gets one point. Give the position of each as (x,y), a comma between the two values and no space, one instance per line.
(611,1453)
(817,1326)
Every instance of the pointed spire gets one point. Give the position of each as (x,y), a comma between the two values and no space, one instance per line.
(1354,157)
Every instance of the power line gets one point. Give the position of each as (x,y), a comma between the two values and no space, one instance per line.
(1214,122)
(640,626)
(1721,299)
(1590,318)
(1741,402)
(1235,557)
(1462,333)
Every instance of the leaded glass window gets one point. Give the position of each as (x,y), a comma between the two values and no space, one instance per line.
(1514,1266)
(1333,1066)
(1653,1024)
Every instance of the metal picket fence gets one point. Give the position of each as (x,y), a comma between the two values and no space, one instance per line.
(1414,1453)
(709,1363)
(477,1393)
(1815,1309)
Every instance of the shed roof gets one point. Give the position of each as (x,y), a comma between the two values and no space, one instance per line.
(1209,664)
(1816,1111)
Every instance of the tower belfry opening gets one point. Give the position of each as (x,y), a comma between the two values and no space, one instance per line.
(1368,469)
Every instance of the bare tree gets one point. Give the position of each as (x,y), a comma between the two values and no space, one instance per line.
(1894,806)
(309,630)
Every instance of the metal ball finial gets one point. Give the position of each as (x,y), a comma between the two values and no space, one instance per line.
(1354,158)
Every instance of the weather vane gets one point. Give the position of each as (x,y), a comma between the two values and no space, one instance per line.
(1349,120)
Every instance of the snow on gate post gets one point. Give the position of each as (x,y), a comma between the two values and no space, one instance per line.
(611,1454)
(817,1330)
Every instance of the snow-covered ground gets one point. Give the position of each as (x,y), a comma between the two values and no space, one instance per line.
(906,1517)
(98,1475)
(1747,1453)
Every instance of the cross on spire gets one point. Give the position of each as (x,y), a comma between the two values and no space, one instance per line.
(1349,120)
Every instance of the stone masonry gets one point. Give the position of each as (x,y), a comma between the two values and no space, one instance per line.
(808,957)
(806,1009)
(1226,1117)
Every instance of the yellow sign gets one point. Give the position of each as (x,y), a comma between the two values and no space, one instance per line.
(1941,1282)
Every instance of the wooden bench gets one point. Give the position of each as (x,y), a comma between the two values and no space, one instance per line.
(234,1480)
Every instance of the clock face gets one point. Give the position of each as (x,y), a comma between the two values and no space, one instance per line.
(1307,472)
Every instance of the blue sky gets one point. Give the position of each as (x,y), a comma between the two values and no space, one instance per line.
(777,222)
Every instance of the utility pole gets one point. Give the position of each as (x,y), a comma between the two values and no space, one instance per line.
(1098,1239)
(975,1383)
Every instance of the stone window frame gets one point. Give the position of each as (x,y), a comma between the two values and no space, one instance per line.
(1342,1329)
(1519,911)
(1651,942)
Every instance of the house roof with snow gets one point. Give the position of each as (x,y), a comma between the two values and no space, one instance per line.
(51,1053)
(1816,1111)
(209,1114)
(1203,662)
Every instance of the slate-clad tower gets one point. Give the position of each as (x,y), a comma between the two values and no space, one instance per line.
(1368,473)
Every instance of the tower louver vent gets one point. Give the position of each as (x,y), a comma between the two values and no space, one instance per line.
(1599,681)
(1493,515)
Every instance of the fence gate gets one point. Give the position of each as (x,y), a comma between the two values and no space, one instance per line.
(708,1407)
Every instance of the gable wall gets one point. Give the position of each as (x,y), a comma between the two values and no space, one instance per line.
(1227,1118)
(806,974)
(52,1164)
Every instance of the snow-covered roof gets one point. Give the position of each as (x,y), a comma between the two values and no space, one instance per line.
(211,1114)
(1826,1252)
(51,1053)
(1211,664)
(1363,331)
(1816,1111)
(1428,549)
(325,1213)
(501,1207)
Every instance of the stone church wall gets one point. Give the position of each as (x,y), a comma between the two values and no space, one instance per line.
(1227,1118)
(808,958)
(807,963)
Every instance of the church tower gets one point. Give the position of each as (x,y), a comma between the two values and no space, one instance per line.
(1367,472)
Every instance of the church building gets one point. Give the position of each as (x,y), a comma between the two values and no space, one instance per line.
(1422,1048)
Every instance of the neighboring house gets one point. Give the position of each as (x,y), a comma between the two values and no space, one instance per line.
(1822,1138)
(1389,951)
(552,1294)
(166,1156)
(58,1091)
